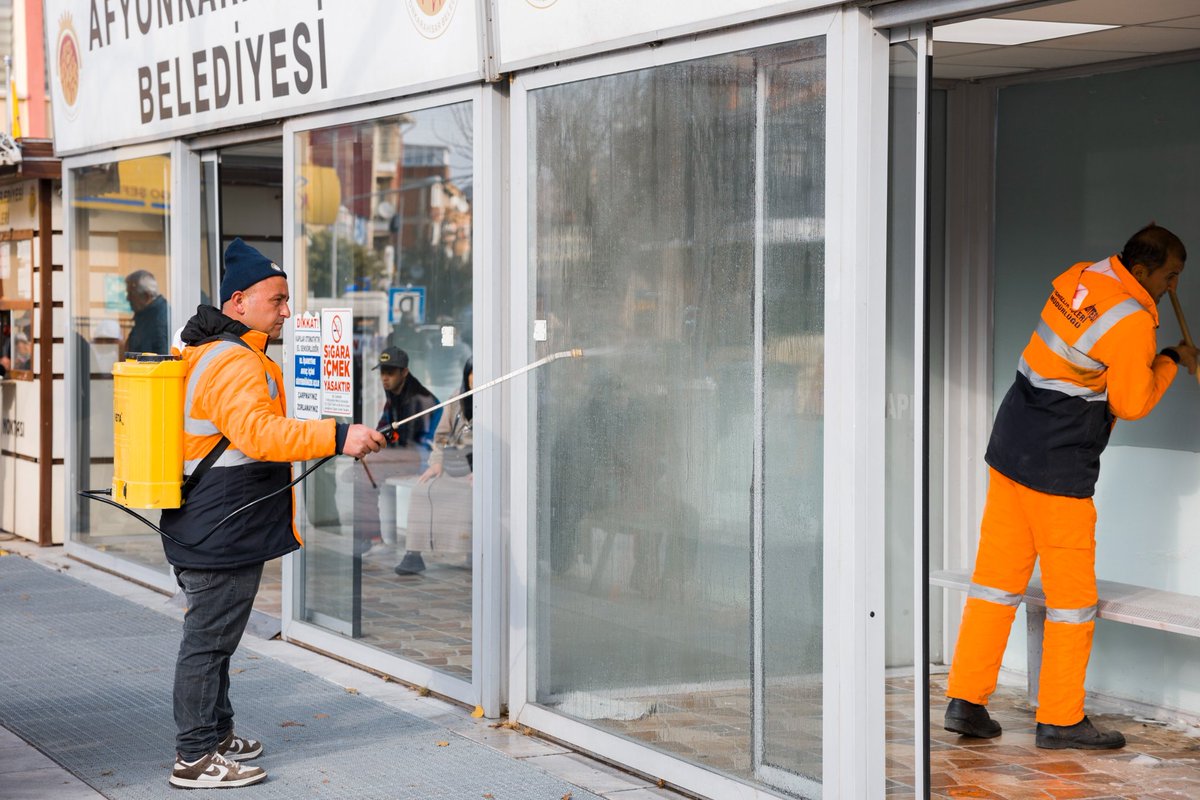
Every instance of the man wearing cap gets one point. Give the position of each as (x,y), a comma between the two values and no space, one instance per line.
(375,498)
(404,396)
(234,396)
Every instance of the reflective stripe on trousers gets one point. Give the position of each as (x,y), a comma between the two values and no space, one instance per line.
(1021,526)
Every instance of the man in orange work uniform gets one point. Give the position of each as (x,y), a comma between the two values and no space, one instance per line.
(234,398)
(1090,361)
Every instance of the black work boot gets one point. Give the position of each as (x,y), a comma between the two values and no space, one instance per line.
(970,719)
(1083,735)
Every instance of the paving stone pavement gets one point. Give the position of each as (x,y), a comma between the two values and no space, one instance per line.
(88,683)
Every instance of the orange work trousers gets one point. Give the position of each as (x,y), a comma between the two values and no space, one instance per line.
(1021,525)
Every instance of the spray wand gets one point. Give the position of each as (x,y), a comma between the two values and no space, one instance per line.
(1183,326)
(96,494)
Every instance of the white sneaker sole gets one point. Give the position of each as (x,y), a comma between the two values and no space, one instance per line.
(196,783)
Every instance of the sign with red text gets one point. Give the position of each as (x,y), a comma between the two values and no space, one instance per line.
(337,362)
(136,70)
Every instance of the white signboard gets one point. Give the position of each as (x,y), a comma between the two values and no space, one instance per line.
(337,362)
(539,31)
(133,70)
(307,348)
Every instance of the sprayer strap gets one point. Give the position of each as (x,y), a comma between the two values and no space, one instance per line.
(203,467)
(218,449)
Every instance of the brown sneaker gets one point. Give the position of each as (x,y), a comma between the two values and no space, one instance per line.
(213,771)
(239,748)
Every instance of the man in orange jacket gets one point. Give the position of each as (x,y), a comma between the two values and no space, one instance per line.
(1091,360)
(234,397)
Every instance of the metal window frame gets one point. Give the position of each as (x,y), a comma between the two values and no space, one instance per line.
(920,36)
(484,687)
(159,580)
(854,391)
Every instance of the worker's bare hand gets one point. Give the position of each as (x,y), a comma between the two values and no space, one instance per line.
(362,440)
(1187,357)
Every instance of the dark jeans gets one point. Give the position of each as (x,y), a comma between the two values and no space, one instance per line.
(218,608)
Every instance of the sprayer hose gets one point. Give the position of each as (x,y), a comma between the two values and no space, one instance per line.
(98,494)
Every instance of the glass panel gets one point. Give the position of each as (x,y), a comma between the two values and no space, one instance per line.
(793,413)
(121,219)
(210,230)
(643,238)
(384,212)
(900,418)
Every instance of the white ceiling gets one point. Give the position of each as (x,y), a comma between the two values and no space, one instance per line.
(1146,27)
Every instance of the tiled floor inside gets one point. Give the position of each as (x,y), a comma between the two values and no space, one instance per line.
(425,617)
(1159,761)
(713,728)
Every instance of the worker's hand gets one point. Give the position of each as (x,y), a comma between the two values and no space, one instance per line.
(434,471)
(362,440)
(1187,357)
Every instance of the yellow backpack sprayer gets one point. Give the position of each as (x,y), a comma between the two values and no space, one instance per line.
(148,399)
(148,431)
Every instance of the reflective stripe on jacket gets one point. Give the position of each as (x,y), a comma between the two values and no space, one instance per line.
(238,391)
(1091,359)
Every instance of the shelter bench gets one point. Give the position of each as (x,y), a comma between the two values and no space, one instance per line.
(1119,602)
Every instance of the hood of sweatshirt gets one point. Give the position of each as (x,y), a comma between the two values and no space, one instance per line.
(207,324)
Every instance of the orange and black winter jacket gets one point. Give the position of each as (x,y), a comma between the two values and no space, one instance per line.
(238,391)
(1090,361)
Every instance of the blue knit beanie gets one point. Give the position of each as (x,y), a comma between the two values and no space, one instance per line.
(244,267)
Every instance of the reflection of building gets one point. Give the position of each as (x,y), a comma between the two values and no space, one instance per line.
(432,210)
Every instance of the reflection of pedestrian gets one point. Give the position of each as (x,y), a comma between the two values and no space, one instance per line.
(374,491)
(453,435)
(21,358)
(151,315)
(451,455)
(1090,361)
(403,396)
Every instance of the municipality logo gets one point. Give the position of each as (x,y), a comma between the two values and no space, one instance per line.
(431,18)
(68,59)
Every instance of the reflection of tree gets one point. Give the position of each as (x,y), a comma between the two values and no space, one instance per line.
(446,276)
(455,131)
(356,264)
(646,194)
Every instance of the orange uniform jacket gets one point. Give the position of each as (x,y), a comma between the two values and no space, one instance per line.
(1091,360)
(238,391)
